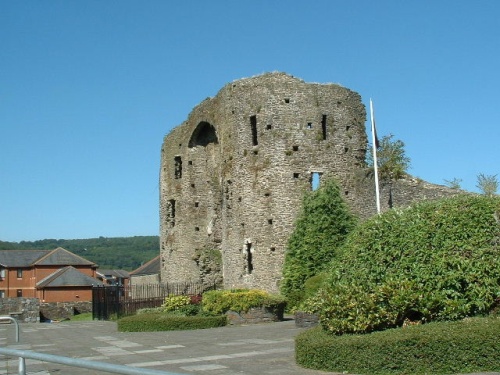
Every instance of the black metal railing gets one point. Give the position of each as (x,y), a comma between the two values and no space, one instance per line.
(115,301)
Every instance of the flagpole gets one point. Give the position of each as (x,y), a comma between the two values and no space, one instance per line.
(375,165)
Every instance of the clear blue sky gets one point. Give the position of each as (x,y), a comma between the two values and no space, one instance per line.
(88,89)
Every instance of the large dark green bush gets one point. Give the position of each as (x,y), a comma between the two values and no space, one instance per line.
(434,261)
(151,322)
(466,346)
(321,228)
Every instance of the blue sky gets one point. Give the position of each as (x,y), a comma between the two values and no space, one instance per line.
(88,90)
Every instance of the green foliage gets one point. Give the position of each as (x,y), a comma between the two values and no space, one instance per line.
(151,322)
(149,310)
(175,302)
(127,253)
(454,183)
(434,261)
(313,284)
(320,230)
(488,184)
(468,346)
(392,161)
(221,301)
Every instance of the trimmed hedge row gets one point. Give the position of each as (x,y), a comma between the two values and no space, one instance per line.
(466,346)
(150,322)
(221,301)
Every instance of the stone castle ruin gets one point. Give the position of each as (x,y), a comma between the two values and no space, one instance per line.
(233,176)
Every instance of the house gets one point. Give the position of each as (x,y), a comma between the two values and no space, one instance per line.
(145,280)
(148,273)
(50,275)
(113,277)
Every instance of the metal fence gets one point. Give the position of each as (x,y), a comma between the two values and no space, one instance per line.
(73,362)
(117,301)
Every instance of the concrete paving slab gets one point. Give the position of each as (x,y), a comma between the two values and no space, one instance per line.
(261,349)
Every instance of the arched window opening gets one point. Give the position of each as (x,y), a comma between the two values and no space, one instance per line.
(203,135)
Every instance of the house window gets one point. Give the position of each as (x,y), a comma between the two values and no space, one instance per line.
(2,293)
(19,273)
(2,273)
(19,292)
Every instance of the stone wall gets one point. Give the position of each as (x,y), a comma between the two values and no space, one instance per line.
(256,315)
(25,310)
(63,310)
(233,175)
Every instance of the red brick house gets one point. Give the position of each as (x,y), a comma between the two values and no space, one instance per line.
(50,275)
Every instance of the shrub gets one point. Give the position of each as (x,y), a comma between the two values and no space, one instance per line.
(466,346)
(321,228)
(175,302)
(221,301)
(148,310)
(434,261)
(151,322)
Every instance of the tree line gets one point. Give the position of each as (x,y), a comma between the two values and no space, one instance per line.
(127,253)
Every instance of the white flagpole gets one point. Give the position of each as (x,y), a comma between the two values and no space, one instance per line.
(375,165)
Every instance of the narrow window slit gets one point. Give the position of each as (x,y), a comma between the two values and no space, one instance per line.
(323,126)
(178,167)
(253,124)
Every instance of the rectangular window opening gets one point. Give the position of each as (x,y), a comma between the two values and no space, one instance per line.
(253,124)
(171,212)
(19,273)
(296,175)
(248,254)
(315,180)
(323,126)
(269,126)
(309,125)
(295,148)
(178,167)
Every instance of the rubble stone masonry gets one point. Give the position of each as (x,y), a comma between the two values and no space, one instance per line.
(233,176)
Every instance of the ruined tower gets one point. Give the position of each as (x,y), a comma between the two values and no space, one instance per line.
(234,173)
(233,176)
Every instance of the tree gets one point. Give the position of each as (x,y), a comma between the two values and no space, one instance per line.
(488,184)
(392,161)
(454,183)
(321,228)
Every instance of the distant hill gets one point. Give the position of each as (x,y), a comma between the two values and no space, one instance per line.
(126,253)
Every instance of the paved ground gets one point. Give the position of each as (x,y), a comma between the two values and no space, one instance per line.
(255,349)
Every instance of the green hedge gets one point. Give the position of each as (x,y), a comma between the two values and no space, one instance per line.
(221,301)
(151,322)
(466,346)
